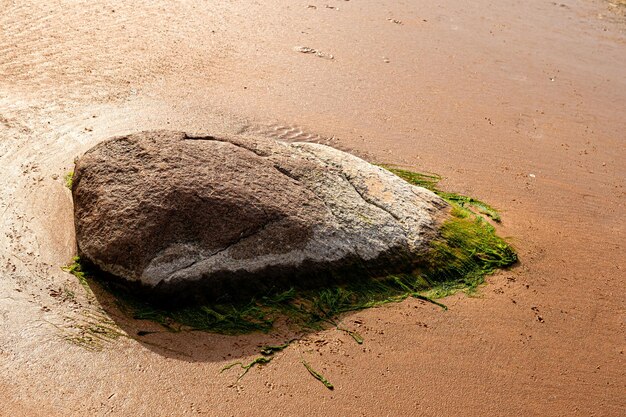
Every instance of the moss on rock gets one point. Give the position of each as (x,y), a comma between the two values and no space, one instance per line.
(466,250)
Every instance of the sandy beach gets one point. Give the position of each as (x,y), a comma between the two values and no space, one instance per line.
(520,104)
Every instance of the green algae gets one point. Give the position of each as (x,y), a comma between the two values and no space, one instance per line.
(466,250)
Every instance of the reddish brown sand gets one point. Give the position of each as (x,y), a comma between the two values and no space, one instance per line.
(519,103)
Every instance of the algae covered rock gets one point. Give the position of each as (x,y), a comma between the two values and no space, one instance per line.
(190,217)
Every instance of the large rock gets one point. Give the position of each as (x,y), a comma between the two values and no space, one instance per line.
(198,216)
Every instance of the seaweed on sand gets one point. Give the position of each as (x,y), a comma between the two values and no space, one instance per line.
(466,250)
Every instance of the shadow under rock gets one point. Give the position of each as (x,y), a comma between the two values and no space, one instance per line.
(186,344)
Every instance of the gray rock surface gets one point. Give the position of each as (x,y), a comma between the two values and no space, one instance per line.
(193,217)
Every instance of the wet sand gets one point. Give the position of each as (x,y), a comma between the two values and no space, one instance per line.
(520,104)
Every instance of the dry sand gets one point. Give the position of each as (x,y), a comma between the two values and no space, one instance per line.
(520,103)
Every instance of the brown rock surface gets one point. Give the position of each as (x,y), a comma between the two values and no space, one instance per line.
(177,213)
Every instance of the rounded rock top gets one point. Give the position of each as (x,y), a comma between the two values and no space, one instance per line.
(190,216)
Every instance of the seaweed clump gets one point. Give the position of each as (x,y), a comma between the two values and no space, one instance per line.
(68,179)
(466,250)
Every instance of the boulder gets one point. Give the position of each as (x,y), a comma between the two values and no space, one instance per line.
(194,217)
